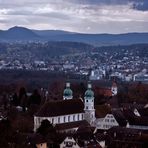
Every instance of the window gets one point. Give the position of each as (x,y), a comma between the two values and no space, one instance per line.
(86,107)
(52,120)
(82,116)
(68,118)
(73,117)
(112,120)
(58,119)
(86,100)
(64,118)
(106,120)
(78,116)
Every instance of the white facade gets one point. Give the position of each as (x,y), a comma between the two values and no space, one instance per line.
(114,90)
(58,119)
(69,142)
(89,110)
(106,123)
(89,115)
(136,112)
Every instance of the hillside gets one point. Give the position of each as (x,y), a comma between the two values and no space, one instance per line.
(25,34)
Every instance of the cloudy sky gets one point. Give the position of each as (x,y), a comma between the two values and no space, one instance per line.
(86,16)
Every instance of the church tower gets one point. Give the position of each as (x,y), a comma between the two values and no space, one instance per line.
(67,94)
(114,89)
(89,114)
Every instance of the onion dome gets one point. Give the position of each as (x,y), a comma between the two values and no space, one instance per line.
(67,92)
(89,93)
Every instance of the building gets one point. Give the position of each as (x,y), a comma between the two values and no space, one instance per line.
(73,112)
(114,89)
(107,122)
(89,110)
(69,114)
(60,112)
(126,137)
(69,142)
(106,88)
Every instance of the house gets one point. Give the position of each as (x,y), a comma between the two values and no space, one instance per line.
(126,137)
(106,123)
(135,120)
(106,88)
(69,142)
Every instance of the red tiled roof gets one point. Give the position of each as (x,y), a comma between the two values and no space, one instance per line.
(70,125)
(64,107)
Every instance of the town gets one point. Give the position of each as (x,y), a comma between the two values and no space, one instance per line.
(39,119)
(127,63)
(74,74)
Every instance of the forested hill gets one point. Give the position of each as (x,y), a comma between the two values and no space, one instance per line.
(44,49)
(24,34)
(50,49)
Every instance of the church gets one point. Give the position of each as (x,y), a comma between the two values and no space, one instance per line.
(68,114)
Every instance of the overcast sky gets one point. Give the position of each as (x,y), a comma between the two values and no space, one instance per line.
(87,16)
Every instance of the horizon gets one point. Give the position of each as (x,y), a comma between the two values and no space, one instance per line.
(86,16)
(32,29)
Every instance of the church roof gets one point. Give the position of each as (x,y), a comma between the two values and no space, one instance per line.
(59,108)
(70,125)
(89,93)
(67,92)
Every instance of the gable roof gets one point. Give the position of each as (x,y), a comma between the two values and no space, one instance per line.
(59,108)
(70,125)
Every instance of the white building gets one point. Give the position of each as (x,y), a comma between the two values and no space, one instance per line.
(70,111)
(106,123)
(89,106)
(68,114)
(61,112)
(69,142)
(114,89)
(97,74)
(141,77)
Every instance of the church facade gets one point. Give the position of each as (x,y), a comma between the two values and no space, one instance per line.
(68,113)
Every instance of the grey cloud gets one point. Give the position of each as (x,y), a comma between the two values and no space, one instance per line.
(88,16)
(136,4)
(143,5)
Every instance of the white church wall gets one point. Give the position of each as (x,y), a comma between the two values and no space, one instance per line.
(58,119)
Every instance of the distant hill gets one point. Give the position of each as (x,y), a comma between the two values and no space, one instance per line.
(49,33)
(21,33)
(18,33)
